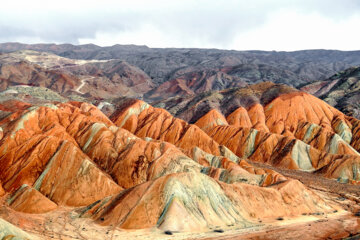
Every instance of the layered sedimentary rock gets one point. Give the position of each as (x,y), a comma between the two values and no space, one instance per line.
(314,139)
(194,201)
(146,121)
(39,149)
(229,168)
(283,151)
(75,146)
(277,109)
(199,161)
(71,154)
(145,168)
(29,200)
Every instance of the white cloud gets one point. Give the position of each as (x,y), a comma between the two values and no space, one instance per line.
(289,30)
(231,24)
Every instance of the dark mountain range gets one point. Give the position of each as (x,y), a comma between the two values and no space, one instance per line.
(341,91)
(162,65)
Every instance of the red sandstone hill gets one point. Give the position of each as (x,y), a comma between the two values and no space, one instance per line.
(143,168)
(311,140)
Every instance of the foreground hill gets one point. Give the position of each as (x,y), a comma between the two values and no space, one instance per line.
(145,172)
(293,130)
(72,155)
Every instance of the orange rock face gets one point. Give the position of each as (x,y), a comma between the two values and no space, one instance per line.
(39,148)
(29,200)
(239,118)
(2,191)
(211,119)
(276,134)
(144,168)
(146,121)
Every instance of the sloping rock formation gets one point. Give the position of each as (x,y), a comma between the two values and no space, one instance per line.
(75,146)
(191,83)
(277,109)
(146,121)
(311,148)
(144,168)
(29,200)
(193,201)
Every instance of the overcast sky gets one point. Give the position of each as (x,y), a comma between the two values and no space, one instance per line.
(228,24)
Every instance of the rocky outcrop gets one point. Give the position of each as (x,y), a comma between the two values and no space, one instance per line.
(75,146)
(144,168)
(192,108)
(39,149)
(294,130)
(146,121)
(211,119)
(29,200)
(285,152)
(25,73)
(229,168)
(194,201)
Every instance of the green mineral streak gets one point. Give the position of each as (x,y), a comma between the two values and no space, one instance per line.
(309,132)
(166,208)
(250,143)
(20,124)
(344,131)
(15,195)
(343,178)
(225,152)
(334,144)
(95,128)
(195,190)
(39,181)
(300,154)
(134,111)
(356,172)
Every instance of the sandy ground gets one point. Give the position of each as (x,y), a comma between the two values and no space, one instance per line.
(65,224)
(336,226)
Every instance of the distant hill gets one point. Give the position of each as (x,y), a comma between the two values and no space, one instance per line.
(172,64)
(341,91)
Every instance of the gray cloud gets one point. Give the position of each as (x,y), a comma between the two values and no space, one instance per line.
(210,23)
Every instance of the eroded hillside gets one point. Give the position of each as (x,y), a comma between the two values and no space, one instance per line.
(145,169)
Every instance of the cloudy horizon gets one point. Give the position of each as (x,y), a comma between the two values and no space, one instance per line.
(240,25)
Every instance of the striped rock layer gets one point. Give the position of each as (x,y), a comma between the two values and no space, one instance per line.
(144,168)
